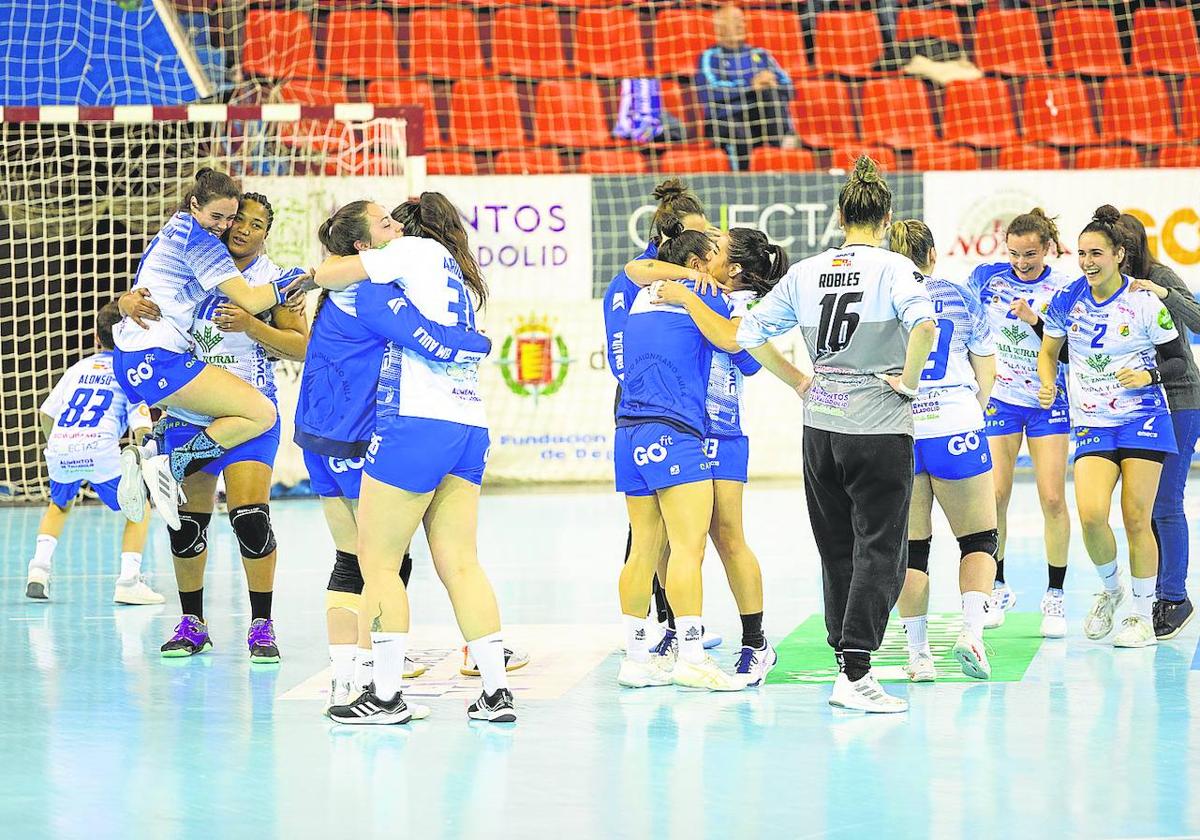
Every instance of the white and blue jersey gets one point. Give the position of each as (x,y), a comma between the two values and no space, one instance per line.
(723,402)
(617,300)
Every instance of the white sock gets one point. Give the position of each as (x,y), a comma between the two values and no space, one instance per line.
(389,650)
(1143,596)
(131,565)
(635,639)
(488,653)
(44,552)
(916,629)
(974,607)
(341,661)
(364,668)
(690,632)
(1109,576)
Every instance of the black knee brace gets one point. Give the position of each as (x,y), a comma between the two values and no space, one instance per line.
(987,542)
(191,539)
(918,555)
(346,575)
(252,527)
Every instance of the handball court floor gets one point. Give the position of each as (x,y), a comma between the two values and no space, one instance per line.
(104,739)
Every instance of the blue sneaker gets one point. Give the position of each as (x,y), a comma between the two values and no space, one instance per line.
(711,640)
(668,647)
(753,665)
(191,637)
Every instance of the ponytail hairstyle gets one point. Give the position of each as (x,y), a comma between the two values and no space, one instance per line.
(107,317)
(913,238)
(690,243)
(762,263)
(1105,222)
(348,225)
(434,217)
(865,199)
(259,198)
(675,201)
(1138,260)
(1036,221)
(209,186)
(406,215)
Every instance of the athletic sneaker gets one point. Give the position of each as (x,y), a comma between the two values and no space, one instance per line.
(753,664)
(1099,621)
(135,591)
(261,641)
(654,671)
(920,667)
(496,708)
(191,637)
(165,491)
(1170,617)
(668,648)
(709,640)
(369,710)
(37,585)
(1054,615)
(705,674)
(513,660)
(1136,632)
(1003,599)
(340,694)
(864,695)
(972,657)
(131,489)
(413,669)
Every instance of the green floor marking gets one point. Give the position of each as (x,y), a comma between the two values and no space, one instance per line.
(804,657)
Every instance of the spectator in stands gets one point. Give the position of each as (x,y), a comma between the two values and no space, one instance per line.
(744,90)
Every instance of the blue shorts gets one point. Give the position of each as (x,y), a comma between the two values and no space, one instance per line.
(63,494)
(415,453)
(728,458)
(261,448)
(1156,434)
(334,477)
(653,456)
(1001,418)
(150,376)
(953,457)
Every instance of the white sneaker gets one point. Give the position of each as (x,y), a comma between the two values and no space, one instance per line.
(340,694)
(920,667)
(164,489)
(643,674)
(413,669)
(710,640)
(131,490)
(1003,599)
(705,674)
(972,657)
(865,695)
(1136,632)
(513,660)
(1054,615)
(753,665)
(135,591)
(37,585)
(1099,621)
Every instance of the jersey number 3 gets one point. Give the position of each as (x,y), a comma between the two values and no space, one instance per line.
(837,323)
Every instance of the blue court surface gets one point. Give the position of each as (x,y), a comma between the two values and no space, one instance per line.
(104,739)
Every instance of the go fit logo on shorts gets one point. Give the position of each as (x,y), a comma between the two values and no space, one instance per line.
(654,453)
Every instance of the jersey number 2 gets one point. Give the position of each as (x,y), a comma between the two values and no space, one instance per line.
(837,323)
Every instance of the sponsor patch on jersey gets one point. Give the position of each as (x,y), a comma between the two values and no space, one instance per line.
(1164,319)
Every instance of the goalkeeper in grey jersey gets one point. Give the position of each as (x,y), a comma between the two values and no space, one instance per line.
(867,322)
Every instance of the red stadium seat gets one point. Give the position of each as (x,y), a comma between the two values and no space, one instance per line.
(1009,42)
(612,162)
(486,115)
(1107,157)
(845,156)
(680,36)
(979,113)
(409,92)
(326,136)
(1164,41)
(1189,111)
(686,160)
(570,114)
(944,156)
(822,114)
(1027,156)
(1179,157)
(279,45)
(1086,41)
(608,42)
(450,163)
(770,159)
(528,42)
(361,45)
(1137,109)
(445,43)
(847,43)
(928,23)
(883,103)
(779,33)
(1058,112)
(528,162)
(685,106)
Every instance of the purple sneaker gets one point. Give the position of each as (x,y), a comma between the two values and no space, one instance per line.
(261,641)
(191,637)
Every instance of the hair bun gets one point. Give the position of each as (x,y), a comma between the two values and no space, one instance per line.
(865,170)
(1107,214)
(669,188)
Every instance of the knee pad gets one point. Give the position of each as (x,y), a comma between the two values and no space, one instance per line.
(986,541)
(342,601)
(346,575)
(918,555)
(252,527)
(191,539)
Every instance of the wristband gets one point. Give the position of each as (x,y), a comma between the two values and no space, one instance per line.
(1155,376)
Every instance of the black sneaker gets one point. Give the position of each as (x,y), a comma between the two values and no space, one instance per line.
(1170,617)
(497,708)
(368,709)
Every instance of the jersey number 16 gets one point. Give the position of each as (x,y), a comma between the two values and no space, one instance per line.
(837,323)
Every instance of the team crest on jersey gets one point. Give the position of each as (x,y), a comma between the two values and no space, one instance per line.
(1099,362)
(534,360)
(1014,334)
(208,338)
(1164,319)
(991,410)
(1123,331)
